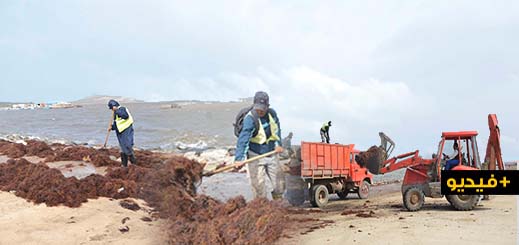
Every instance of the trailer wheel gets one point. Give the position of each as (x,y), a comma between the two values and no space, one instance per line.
(343,194)
(463,202)
(363,191)
(414,199)
(319,196)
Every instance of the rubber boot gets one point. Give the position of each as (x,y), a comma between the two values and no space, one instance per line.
(124,160)
(133,160)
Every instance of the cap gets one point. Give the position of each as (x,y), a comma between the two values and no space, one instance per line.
(112,103)
(261,101)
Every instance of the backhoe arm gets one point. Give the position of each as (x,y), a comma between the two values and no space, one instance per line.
(493,155)
(409,159)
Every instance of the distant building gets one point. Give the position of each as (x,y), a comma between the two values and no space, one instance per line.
(511,165)
(24,106)
(61,105)
(32,106)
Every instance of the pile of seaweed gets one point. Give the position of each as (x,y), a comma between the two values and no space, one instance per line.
(41,184)
(372,159)
(60,152)
(167,184)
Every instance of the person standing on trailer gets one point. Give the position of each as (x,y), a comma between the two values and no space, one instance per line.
(325,136)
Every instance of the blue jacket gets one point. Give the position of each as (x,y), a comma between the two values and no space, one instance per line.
(125,138)
(244,145)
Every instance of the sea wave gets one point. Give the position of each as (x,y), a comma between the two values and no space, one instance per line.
(22,139)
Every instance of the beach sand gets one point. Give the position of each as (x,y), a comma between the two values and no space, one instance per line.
(495,222)
(99,221)
(95,222)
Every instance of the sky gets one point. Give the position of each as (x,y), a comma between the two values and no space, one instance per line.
(409,68)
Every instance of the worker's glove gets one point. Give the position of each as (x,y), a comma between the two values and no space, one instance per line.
(239,164)
(278,149)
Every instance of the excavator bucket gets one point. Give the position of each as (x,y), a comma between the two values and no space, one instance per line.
(373,159)
(387,144)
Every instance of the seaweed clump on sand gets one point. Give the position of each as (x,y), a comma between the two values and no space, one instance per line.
(98,157)
(234,222)
(12,150)
(167,184)
(41,184)
(38,148)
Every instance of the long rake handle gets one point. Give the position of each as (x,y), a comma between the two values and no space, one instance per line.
(235,165)
(109,125)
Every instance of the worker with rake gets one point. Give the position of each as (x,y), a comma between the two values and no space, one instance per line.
(260,134)
(123,126)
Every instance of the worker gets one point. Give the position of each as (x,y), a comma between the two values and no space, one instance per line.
(123,126)
(284,162)
(325,136)
(267,139)
(287,146)
(453,160)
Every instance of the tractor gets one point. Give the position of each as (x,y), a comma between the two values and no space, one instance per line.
(422,177)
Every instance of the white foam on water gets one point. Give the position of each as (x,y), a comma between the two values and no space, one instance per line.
(22,139)
(211,158)
(200,145)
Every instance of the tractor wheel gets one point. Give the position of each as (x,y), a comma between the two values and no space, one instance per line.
(463,202)
(319,196)
(414,199)
(363,191)
(343,194)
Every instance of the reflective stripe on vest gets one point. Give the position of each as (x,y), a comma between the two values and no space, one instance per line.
(261,137)
(123,124)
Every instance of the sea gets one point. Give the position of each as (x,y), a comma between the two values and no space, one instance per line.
(158,126)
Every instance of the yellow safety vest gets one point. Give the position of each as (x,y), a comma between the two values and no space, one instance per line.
(261,137)
(325,125)
(123,124)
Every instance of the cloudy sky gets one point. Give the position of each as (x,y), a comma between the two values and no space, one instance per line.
(409,68)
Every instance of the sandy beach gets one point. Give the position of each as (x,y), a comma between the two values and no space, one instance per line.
(494,222)
(381,219)
(99,222)
(95,222)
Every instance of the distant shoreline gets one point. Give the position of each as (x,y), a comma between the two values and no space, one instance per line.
(103,99)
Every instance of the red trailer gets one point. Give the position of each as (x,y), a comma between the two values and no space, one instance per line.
(331,168)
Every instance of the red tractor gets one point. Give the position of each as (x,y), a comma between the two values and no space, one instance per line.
(422,177)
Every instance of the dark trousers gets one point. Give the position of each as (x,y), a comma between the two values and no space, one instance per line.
(451,164)
(325,137)
(125,139)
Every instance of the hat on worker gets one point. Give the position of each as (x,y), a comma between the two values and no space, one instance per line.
(112,103)
(261,101)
